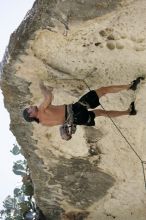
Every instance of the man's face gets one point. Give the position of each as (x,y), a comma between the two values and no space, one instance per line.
(32,110)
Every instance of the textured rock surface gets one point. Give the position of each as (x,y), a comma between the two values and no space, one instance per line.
(64,43)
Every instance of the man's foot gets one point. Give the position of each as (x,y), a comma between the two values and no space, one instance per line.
(132,110)
(135,82)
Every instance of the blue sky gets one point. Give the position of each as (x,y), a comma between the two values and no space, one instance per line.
(12,13)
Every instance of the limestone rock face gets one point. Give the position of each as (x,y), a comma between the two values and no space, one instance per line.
(70,44)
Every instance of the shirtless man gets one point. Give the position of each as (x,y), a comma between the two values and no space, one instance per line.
(51,115)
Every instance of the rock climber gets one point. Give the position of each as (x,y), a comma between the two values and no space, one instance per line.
(82,112)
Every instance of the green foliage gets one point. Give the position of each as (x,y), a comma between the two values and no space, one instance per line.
(16,150)
(15,208)
(19,217)
(24,207)
(20,173)
(20,167)
(9,203)
(28,189)
(17,192)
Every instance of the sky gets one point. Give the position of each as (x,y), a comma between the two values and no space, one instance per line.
(12,13)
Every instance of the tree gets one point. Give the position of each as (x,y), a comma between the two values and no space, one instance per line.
(22,206)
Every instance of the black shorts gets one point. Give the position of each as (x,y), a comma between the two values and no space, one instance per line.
(90,100)
(81,114)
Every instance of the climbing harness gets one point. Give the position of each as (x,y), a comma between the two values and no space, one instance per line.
(68,128)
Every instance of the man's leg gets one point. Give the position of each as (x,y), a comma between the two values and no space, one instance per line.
(111,113)
(117,88)
(100,112)
(111,89)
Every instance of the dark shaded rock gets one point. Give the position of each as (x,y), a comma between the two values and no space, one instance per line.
(82,183)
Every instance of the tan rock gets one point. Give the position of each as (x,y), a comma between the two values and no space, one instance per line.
(119,45)
(67,179)
(111,44)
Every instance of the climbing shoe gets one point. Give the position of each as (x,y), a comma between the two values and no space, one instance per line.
(135,82)
(132,110)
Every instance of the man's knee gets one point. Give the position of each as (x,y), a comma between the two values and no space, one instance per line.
(101,91)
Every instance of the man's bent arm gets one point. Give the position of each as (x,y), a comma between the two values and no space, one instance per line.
(48,96)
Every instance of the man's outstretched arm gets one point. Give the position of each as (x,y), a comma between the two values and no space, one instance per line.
(48,96)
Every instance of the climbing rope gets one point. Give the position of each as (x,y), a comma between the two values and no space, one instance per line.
(123,136)
(131,147)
